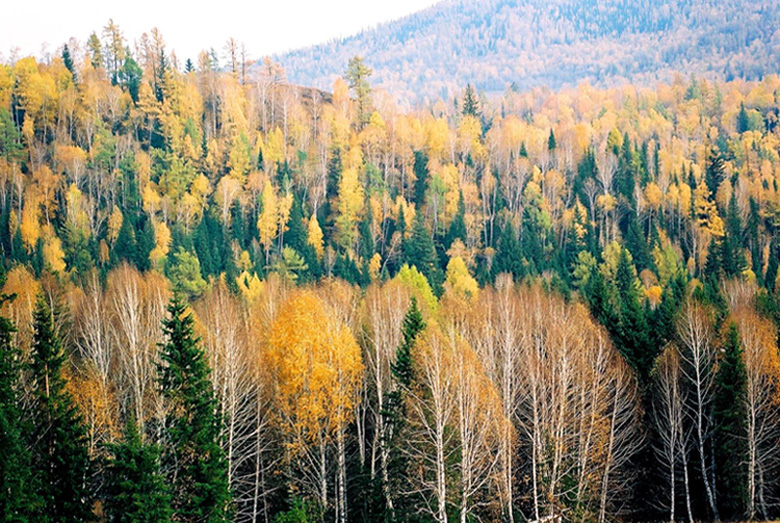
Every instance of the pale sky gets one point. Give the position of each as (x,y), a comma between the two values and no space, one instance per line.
(265,26)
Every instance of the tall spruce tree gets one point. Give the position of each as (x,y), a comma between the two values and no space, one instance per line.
(18,493)
(58,437)
(731,429)
(193,460)
(136,490)
(395,414)
(419,251)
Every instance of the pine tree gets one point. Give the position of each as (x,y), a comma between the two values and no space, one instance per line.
(732,257)
(715,171)
(18,493)
(125,248)
(193,460)
(730,428)
(470,102)
(67,61)
(395,413)
(58,436)
(508,255)
(743,122)
(136,490)
(457,228)
(419,251)
(357,75)
(552,143)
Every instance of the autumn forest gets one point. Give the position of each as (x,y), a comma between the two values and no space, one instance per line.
(227,297)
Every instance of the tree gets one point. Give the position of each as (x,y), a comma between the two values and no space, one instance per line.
(318,372)
(696,335)
(743,122)
(419,251)
(136,490)
(470,102)
(19,500)
(730,417)
(58,436)
(193,460)
(357,75)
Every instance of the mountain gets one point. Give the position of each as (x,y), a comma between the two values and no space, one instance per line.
(497,44)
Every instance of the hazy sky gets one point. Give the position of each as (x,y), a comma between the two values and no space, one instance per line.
(265,26)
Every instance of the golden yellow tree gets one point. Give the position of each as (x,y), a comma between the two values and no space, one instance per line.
(317,369)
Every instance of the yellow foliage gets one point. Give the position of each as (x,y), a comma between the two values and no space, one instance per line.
(53,255)
(318,370)
(459,283)
(315,237)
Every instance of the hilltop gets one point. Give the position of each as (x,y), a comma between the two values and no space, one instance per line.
(521,44)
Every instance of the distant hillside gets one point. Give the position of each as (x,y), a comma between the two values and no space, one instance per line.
(496,44)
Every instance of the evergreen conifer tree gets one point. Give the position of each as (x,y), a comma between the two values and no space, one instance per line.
(136,490)
(18,492)
(58,436)
(730,428)
(419,251)
(193,460)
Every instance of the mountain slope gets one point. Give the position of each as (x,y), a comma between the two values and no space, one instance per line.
(497,43)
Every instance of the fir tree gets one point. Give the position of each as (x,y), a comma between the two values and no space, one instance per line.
(419,251)
(193,460)
(730,428)
(67,61)
(552,143)
(58,437)
(18,493)
(395,413)
(125,248)
(136,490)
(715,171)
(421,174)
(470,102)
(743,122)
(508,255)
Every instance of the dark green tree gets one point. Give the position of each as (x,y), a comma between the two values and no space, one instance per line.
(19,502)
(192,458)
(420,252)
(743,122)
(136,490)
(457,229)
(125,248)
(58,436)
(470,102)
(395,414)
(67,61)
(509,256)
(715,171)
(732,255)
(552,143)
(731,429)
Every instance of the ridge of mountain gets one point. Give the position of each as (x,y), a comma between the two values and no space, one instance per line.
(522,44)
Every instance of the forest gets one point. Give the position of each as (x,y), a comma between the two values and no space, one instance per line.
(523,44)
(225,297)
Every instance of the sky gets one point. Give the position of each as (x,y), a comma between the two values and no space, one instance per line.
(37,27)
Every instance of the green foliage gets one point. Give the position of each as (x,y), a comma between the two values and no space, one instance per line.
(136,490)
(730,421)
(193,461)
(58,436)
(19,500)
(470,102)
(184,272)
(419,252)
